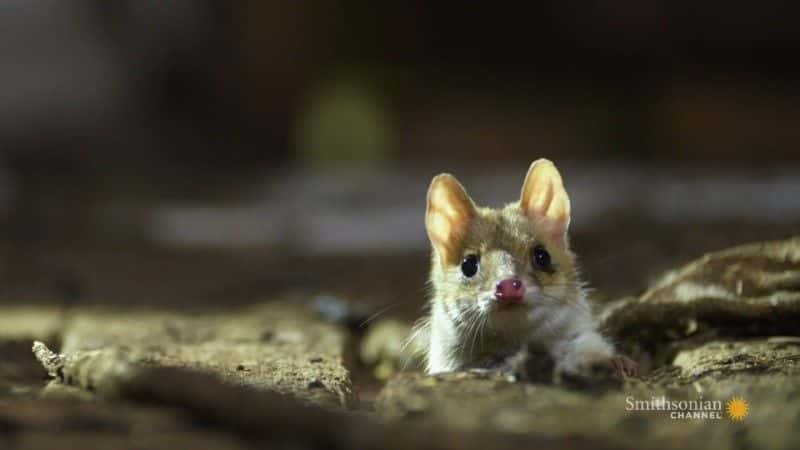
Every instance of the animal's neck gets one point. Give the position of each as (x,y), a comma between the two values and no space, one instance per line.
(457,346)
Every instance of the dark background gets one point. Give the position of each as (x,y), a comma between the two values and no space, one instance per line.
(193,153)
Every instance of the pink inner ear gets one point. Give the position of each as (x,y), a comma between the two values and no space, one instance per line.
(544,199)
(556,229)
(540,200)
(438,227)
(449,213)
(552,217)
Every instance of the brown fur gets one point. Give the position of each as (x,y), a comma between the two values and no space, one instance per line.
(466,328)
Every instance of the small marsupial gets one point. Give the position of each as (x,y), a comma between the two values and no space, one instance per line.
(503,278)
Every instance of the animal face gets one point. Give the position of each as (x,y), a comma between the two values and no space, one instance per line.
(502,268)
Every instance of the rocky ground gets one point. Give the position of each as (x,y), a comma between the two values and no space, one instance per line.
(300,372)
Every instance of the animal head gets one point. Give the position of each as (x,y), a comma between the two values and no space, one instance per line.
(499,264)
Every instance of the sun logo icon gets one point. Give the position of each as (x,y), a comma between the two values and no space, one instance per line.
(737,408)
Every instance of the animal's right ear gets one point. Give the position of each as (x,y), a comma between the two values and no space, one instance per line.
(448,216)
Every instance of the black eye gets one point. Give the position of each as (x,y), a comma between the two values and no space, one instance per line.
(469,266)
(541,259)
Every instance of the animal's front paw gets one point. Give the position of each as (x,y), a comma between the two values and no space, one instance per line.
(590,361)
(597,375)
(607,373)
(618,366)
(588,353)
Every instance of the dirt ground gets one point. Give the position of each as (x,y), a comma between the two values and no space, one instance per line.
(238,350)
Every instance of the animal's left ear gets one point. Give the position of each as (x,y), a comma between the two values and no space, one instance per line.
(545,201)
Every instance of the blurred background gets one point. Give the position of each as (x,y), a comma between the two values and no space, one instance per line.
(197,153)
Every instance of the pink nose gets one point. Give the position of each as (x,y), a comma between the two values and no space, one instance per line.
(510,290)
